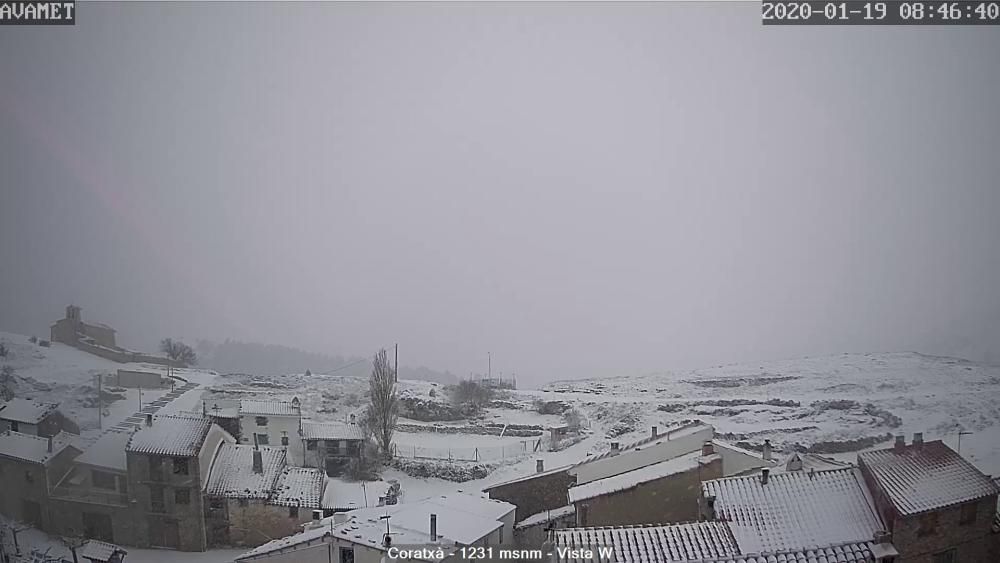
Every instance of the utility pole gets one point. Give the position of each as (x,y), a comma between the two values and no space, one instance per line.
(489,366)
(395,373)
(960,434)
(100,405)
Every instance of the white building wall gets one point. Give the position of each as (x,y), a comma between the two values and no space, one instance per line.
(276,428)
(667,447)
(736,462)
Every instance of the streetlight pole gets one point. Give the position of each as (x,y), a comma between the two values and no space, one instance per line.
(960,434)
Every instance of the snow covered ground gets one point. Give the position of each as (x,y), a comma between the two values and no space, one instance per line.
(837,405)
(62,374)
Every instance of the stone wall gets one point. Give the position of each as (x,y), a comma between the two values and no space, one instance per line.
(971,541)
(156,528)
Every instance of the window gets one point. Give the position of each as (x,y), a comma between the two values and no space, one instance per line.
(102,480)
(155,468)
(346,555)
(928,524)
(310,444)
(216,504)
(29,477)
(243,502)
(156,499)
(182,496)
(284,438)
(14,426)
(293,512)
(944,557)
(180,466)
(261,420)
(262,439)
(968,513)
(333,447)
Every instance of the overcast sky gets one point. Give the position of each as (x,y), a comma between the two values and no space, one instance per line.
(580,189)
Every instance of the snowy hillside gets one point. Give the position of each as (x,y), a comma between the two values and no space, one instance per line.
(62,374)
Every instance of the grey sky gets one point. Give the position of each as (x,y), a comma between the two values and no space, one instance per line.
(582,189)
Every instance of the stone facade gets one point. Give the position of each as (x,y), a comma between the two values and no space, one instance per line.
(168,501)
(537,493)
(24,487)
(673,498)
(96,339)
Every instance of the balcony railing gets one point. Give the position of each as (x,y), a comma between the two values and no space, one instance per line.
(90,495)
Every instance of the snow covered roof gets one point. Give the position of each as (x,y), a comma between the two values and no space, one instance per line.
(330,431)
(636,477)
(30,448)
(232,474)
(795,510)
(810,462)
(346,495)
(461,518)
(923,477)
(99,551)
(841,553)
(26,410)
(268,408)
(304,538)
(108,451)
(528,477)
(171,435)
(671,434)
(546,516)
(693,541)
(298,486)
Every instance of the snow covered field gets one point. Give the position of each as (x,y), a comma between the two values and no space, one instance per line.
(62,374)
(836,405)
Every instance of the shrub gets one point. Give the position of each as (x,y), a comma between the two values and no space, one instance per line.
(471,394)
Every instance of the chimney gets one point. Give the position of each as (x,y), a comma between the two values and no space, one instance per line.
(149,419)
(900,444)
(258,462)
(764,473)
(812,472)
(434,527)
(653,432)
(353,419)
(707,448)
(918,439)
(882,536)
(539,465)
(317,515)
(710,507)
(50,444)
(767,450)
(615,447)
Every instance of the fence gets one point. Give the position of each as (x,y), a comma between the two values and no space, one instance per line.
(479,453)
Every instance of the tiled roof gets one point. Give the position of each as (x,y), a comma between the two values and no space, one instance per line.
(26,410)
(268,408)
(692,541)
(629,479)
(171,435)
(30,448)
(795,510)
(926,477)
(330,431)
(842,553)
(232,474)
(99,551)
(299,486)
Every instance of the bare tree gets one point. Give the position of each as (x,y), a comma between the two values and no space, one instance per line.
(7,383)
(383,409)
(179,352)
